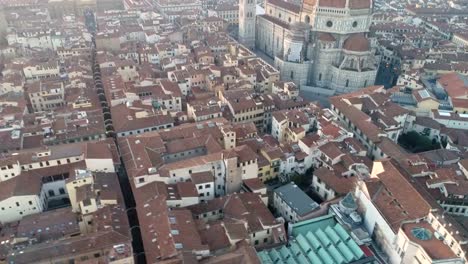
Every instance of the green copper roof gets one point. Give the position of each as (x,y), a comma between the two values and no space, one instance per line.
(156,104)
(317,241)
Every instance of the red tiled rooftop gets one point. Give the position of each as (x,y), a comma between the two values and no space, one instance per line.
(357,42)
(435,248)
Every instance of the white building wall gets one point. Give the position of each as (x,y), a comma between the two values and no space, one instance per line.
(386,237)
(56,187)
(344,81)
(453,123)
(322,190)
(292,71)
(102,165)
(206,191)
(284,209)
(16,207)
(342,23)
(10,171)
(249,171)
(264,237)
(90,208)
(183,202)
(37,73)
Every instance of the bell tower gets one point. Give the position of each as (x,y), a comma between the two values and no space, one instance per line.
(3,26)
(247,23)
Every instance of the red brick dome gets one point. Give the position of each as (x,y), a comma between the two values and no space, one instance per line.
(326,37)
(357,42)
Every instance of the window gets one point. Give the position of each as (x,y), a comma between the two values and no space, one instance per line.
(355,24)
(347,83)
(51,193)
(61,191)
(329,24)
(17,204)
(292,75)
(320,77)
(30,202)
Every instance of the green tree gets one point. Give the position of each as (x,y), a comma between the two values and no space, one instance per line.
(415,142)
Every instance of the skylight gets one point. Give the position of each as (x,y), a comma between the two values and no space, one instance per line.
(421,233)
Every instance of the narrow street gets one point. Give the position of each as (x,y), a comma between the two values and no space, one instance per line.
(137,243)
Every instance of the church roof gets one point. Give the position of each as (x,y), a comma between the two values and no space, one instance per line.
(286,5)
(357,42)
(326,37)
(359,4)
(352,4)
(333,3)
(318,240)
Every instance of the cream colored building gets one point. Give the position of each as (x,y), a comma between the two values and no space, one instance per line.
(460,39)
(228,12)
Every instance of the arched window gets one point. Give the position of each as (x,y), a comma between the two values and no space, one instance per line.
(347,83)
(320,77)
(289,20)
(307,19)
(292,75)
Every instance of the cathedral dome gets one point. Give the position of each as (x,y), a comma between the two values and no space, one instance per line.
(352,4)
(326,37)
(357,42)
